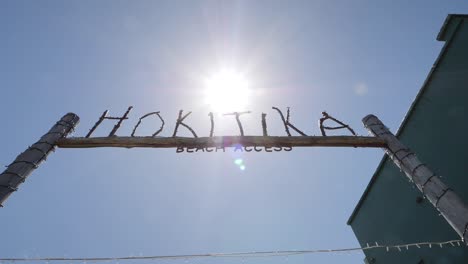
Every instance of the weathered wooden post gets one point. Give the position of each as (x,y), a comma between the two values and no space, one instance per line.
(444,199)
(17,172)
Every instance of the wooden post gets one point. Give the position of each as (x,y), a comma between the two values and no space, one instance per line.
(17,172)
(444,199)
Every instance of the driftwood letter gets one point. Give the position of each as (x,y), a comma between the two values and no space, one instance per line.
(179,122)
(145,116)
(237,114)
(264,125)
(341,124)
(104,116)
(210,114)
(287,124)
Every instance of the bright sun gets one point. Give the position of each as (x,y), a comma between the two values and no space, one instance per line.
(226,91)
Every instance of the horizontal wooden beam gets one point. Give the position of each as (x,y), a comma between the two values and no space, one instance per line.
(224,141)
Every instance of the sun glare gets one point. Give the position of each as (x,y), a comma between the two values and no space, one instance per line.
(226,91)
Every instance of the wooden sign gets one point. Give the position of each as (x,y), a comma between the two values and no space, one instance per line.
(444,199)
(211,143)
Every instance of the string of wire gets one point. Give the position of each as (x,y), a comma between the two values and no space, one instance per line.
(249,254)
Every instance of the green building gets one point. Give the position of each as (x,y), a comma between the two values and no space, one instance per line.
(392,210)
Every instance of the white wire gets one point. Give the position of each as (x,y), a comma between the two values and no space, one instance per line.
(251,254)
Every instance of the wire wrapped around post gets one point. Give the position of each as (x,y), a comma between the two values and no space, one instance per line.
(26,162)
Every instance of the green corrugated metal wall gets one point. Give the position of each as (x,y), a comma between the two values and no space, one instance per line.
(437,130)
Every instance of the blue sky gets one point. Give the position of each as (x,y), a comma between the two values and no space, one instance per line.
(348,58)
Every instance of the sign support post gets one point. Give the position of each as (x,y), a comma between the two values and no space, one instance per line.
(17,172)
(444,199)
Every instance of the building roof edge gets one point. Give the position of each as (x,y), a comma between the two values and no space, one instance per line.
(410,111)
(445,26)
